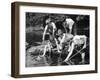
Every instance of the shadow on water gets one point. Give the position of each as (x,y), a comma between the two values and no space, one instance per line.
(34,36)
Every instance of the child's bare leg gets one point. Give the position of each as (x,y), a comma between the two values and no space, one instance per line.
(70,53)
(83,57)
(44,52)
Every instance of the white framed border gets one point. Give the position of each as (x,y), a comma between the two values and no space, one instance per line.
(49,69)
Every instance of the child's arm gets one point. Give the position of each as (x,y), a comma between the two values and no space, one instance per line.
(44,32)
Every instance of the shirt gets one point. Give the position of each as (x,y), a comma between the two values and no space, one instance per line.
(50,28)
(69,23)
